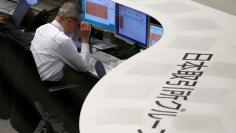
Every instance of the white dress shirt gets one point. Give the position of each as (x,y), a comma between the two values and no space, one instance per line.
(52,49)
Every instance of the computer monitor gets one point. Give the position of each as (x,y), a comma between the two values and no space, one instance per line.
(155,34)
(100,13)
(20,11)
(132,24)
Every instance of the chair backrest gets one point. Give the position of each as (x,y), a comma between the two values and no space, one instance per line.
(19,37)
(100,69)
(23,83)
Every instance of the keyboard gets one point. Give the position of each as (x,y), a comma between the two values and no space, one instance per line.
(91,67)
(104,57)
(7,6)
(107,60)
(103,46)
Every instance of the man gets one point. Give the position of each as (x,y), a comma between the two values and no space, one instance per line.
(52,48)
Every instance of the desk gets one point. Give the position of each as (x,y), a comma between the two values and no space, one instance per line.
(109,61)
(7,6)
(146,94)
(45,5)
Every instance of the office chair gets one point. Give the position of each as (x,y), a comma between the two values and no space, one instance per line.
(100,69)
(69,104)
(17,67)
(17,73)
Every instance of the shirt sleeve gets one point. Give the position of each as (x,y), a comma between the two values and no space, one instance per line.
(68,53)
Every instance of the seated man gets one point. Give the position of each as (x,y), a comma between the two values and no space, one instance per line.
(52,48)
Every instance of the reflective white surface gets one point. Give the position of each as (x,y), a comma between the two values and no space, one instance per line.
(128,99)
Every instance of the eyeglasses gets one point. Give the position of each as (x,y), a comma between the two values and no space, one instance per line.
(72,18)
(78,19)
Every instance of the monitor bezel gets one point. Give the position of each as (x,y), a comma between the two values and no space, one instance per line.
(143,45)
(97,25)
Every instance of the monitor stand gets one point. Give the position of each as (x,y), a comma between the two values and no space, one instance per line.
(105,43)
(107,37)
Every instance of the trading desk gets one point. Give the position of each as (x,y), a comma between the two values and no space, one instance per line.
(7,6)
(185,84)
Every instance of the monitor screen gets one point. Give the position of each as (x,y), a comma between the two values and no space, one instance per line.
(132,24)
(32,2)
(155,34)
(20,11)
(100,13)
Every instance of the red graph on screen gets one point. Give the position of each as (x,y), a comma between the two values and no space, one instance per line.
(121,22)
(96,10)
(155,37)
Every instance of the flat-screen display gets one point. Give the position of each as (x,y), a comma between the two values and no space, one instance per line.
(132,24)
(32,2)
(155,34)
(100,13)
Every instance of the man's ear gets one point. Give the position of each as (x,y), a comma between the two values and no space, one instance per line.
(69,20)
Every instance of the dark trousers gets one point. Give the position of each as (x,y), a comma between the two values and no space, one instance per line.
(72,98)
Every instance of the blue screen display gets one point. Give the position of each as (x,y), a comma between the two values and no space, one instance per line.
(100,13)
(32,2)
(132,24)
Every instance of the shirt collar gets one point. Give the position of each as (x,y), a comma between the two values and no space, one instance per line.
(58,25)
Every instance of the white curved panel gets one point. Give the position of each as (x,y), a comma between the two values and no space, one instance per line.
(185,84)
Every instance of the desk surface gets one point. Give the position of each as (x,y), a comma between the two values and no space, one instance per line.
(7,6)
(185,84)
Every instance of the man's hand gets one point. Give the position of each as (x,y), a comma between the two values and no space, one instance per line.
(76,34)
(85,29)
(3,18)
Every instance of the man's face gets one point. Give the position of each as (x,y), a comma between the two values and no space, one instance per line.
(73,24)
